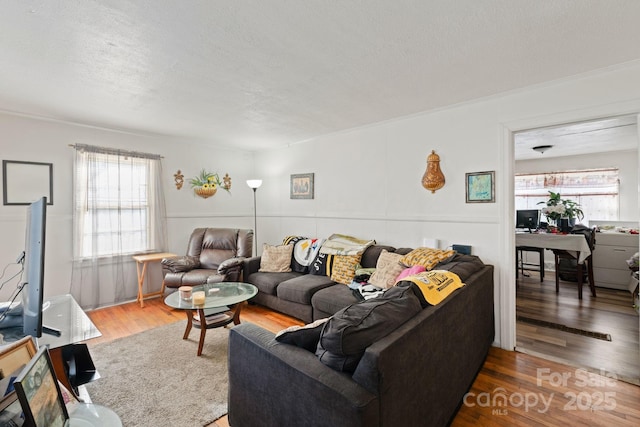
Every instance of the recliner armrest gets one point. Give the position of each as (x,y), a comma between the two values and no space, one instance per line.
(230,264)
(179,264)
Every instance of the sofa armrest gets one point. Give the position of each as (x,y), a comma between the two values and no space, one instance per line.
(250,266)
(270,377)
(179,264)
(231,264)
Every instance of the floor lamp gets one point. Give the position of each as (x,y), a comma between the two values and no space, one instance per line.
(254,184)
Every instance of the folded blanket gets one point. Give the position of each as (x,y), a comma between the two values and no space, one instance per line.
(340,244)
(435,285)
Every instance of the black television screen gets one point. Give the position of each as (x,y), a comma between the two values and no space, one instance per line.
(32,291)
(528,218)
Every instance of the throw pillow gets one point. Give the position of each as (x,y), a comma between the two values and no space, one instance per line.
(306,336)
(387,269)
(276,259)
(426,257)
(351,330)
(344,268)
(410,272)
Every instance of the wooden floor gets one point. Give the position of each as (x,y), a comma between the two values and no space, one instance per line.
(611,312)
(512,389)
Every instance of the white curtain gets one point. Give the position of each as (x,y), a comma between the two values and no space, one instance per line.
(119,211)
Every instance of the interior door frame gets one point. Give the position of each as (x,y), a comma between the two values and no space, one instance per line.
(506,293)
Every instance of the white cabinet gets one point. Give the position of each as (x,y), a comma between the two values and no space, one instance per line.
(612,250)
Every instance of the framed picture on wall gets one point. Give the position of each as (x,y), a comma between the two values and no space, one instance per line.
(480,187)
(26,182)
(302,186)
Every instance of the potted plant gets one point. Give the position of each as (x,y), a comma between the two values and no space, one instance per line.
(558,209)
(206,184)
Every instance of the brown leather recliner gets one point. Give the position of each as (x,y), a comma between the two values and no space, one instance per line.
(213,255)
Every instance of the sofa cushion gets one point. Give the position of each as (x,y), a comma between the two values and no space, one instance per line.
(344,268)
(351,330)
(276,259)
(463,265)
(426,257)
(300,289)
(387,269)
(371,254)
(332,299)
(306,336)
(267,283)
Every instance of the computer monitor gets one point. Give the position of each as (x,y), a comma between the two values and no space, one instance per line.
(528,219)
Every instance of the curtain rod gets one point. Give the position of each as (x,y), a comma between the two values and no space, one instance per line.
(117,151)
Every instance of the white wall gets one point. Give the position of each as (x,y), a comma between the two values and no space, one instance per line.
(367,180)
(29,139)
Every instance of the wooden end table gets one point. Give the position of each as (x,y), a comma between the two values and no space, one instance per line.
(223,303)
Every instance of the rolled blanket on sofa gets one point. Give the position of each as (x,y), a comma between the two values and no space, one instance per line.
(341,244)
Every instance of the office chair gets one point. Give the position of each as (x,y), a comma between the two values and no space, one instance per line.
(567,266)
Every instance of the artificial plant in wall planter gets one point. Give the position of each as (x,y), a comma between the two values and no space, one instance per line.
(206,184)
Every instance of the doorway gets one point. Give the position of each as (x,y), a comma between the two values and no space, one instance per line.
(599,334)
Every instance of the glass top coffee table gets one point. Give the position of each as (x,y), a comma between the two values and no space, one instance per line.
(222,304)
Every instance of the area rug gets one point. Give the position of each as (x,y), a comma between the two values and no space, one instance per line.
(154,378)
(565,328)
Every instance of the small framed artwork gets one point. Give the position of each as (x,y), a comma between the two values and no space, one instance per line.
(480,187)
(13,359)
(26,182)
(302,186)
(39,392)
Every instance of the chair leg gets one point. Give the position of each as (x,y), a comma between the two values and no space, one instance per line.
(592,283)
(541,265)
(557,261)
(580,267)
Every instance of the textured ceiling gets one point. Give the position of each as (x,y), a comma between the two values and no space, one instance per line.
(258,74)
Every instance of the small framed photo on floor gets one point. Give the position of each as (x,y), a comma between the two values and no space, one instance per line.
(39,393)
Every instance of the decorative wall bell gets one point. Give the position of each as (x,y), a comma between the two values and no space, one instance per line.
(433,178)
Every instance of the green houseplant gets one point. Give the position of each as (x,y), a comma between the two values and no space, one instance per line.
(557,209)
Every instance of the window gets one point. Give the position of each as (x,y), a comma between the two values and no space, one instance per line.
(117,201)
(596,190)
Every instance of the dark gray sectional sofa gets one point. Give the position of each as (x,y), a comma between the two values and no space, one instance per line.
(302,295)
(417,375)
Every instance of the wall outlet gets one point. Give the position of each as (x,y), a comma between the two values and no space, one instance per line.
(462,249)
(430,243)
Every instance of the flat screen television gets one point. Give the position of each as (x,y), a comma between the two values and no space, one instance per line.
(528,219)
(26,319)
(33,285)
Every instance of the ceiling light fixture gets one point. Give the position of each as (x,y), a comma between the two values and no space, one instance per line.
(541,148)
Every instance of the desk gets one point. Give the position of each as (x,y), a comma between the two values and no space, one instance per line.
(576,243)
(142,261)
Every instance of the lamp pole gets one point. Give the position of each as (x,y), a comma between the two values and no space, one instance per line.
(254,184)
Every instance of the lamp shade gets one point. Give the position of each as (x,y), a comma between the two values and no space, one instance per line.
(541,148)
(254,183)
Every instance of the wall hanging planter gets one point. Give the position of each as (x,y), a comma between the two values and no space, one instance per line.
(206,184)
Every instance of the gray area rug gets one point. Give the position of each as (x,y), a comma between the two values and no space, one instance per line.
(154,378)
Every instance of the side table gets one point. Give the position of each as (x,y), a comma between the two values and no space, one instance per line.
(223,300)
(142,261)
